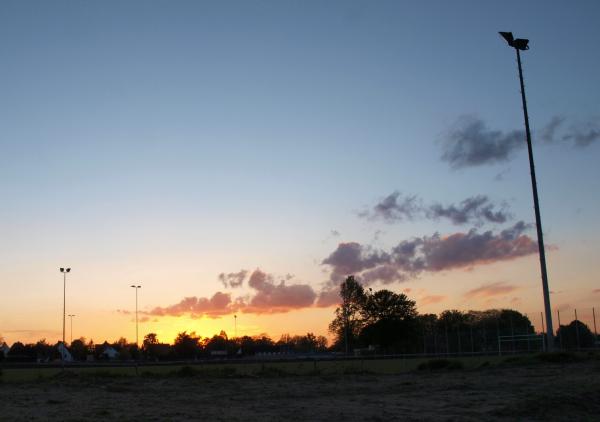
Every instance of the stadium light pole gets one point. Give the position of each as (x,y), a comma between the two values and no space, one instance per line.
(64,271)
(519,45)
(71,317)
(136,313)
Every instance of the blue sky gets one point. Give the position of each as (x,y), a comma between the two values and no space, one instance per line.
(171,141)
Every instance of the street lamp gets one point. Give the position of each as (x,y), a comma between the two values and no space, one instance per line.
(64,271)
(136,313)
(235,326)
(71,317)
(519,45)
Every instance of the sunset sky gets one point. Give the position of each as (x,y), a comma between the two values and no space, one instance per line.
(244,157)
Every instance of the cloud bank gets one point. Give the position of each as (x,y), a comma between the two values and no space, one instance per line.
(429,253)
(409,258)
(268,296)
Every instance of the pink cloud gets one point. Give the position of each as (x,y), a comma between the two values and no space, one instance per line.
(427,300)
(490,290)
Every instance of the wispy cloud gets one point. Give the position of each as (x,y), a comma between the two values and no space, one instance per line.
(395,207)
(233,279)
(490,290)
(471,143)
(476,210)
(430,299)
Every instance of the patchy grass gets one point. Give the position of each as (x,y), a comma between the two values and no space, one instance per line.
(544,391)
(242,369)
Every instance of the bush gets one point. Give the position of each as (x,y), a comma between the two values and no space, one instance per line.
(440,364)
(186,371)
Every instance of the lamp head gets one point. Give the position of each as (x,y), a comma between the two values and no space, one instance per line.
(62,270)
(519,43)
(68,270)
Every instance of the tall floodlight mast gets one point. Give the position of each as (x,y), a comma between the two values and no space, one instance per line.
(519,45)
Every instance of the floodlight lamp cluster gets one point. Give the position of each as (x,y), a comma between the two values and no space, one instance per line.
(519,43)
(65,270)
(136,287)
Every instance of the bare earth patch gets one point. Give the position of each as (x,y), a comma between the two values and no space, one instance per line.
(536,392)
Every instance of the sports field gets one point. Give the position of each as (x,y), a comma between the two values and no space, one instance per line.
(520,388)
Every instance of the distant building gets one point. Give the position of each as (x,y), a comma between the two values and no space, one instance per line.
(109,352)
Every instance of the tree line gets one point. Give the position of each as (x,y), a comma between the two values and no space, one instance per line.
(366,321)
(388,322)
(187,345)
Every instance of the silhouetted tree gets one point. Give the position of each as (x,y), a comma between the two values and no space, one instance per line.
(568,335)
(78,349)
(186,345)
(348,320)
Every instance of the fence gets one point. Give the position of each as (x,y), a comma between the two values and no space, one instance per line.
(509,334)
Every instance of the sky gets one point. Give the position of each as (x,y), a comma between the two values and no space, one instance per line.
(242,158)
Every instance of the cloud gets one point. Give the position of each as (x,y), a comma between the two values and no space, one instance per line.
(430,299)
(549,132)
(275,297)
(395,207)
(579,134)
(490,290)
(329,296)
(219,304)
(351,258)
(476,210)
(471,143)
(233,279)
(269,296)
(596,291)
(429,254)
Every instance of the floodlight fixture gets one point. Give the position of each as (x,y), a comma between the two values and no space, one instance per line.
(519,43)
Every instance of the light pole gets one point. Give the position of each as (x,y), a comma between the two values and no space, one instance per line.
(64,271)
(522,44)
(235,326)
(136,313)
(71,317)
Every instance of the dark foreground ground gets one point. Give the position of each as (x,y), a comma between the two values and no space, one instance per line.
(538,391)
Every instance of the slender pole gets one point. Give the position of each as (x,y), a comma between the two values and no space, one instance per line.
(595,332)
(137,342)
(538,219)
(71,318)
(235,326)
(64,304)
(577,329)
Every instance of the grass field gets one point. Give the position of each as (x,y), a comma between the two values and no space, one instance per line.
(545,387)
(322,367)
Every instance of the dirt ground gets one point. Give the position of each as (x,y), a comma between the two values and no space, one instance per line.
(521,392)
